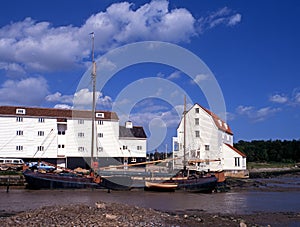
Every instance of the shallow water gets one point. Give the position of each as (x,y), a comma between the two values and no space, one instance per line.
(230,202)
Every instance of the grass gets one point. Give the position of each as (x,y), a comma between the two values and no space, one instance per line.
(258,165)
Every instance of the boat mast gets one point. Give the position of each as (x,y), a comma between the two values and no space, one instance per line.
(184,136)
(93,74)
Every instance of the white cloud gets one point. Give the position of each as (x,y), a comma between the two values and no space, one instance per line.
(279,98)
(30,45)
(81,99)
(58,97)
(63,106)
(224,16)
(235,19)
(257,114)
(244,109)
(199,78)
(297,98)
(13,70)
(174,75)
(29,91)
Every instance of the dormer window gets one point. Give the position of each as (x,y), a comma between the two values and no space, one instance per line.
(100,115)
(20,111)
(220,123)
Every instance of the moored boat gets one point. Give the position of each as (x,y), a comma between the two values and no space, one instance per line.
(196,184)
(48,180)
(160,186)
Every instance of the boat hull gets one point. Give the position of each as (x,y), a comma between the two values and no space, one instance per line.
(36,180)
(161,187)
(201,184)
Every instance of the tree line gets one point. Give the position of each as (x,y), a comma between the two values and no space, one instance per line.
(270,150)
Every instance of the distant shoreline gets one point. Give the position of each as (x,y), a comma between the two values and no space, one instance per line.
(272,172)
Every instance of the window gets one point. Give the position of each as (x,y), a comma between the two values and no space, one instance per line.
(41,120)
(100,122)
(81,134)
(101,115)
(19,148)
(61,146)
(20,111)
(176,146)
(206,147)
(100,134)
(61,132)
(196,110)
(196,121)
(40,148)
(81,149)
(80,122)
(124,147)
(197,134)
(236,161)
(139,148)
(19,133)
(41,133)
(19,119)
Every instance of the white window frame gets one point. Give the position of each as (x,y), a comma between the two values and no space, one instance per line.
(20,111)
(19,119)
(41,120)
(81,134)
(237,162)
(19,148)
(41,133)
(80,121)
(100,115)
(19,133)
(40,148)
(81,149)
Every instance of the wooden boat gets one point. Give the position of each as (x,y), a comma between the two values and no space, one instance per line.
(68,179)
(196,183)
(160,186)
(38,180)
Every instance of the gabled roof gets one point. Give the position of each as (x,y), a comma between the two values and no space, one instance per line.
(55,113)
(218,121)
(236,150)
(134,132)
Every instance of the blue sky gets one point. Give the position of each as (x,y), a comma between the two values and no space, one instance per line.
(251,47)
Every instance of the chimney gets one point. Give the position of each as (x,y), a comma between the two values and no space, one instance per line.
(128,124)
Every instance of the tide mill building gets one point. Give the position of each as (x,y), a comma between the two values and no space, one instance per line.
(63,137)
(208,144)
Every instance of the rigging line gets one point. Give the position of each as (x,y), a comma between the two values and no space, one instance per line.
(37,150)
(8,141)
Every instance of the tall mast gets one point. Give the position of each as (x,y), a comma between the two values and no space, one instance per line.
(93,74)
(184,136)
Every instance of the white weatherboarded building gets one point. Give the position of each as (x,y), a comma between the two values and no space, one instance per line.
(63,136)
(209,144)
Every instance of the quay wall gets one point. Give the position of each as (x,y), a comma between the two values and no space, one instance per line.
(12,180)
